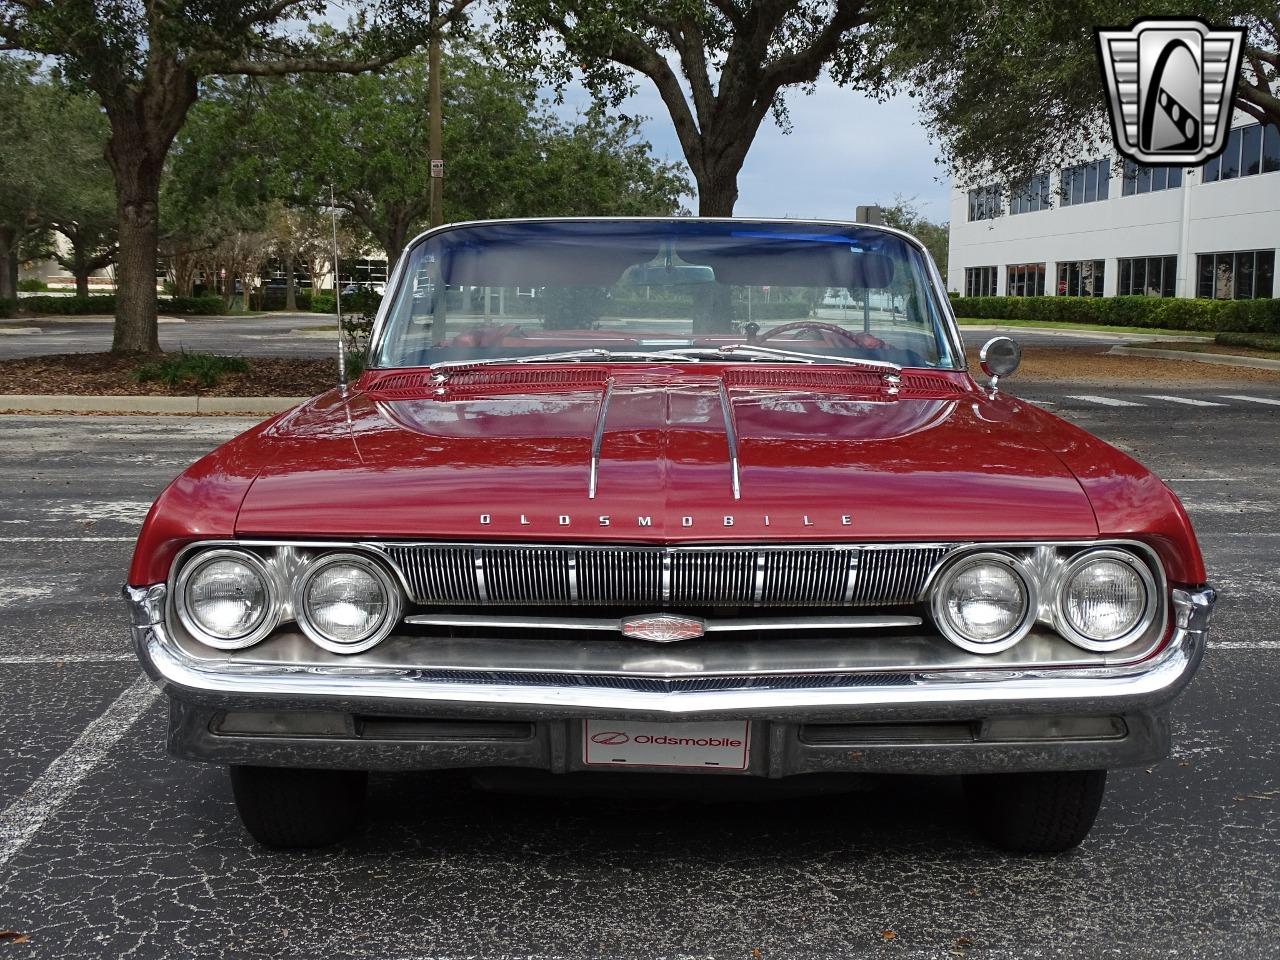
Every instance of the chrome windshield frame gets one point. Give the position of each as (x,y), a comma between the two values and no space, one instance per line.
(947,318)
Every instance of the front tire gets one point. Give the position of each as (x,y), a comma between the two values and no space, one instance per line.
(293,808)
(1035,812)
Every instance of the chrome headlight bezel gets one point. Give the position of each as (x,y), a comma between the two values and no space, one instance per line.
(270,620)
(390,588)
(942,583)
(1151,607)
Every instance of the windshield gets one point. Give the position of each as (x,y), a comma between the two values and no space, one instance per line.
(654,290)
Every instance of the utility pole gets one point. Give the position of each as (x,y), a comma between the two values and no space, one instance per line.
(433,107)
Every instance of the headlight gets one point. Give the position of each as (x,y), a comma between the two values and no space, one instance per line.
(226,599)
(1105,599)
(346,603)
(984,603)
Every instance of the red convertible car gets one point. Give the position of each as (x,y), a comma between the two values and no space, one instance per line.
(704,497)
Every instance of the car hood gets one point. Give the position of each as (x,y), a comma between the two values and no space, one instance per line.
(650,456)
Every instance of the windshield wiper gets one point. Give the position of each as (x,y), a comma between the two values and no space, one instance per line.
(770,353)
(570,356)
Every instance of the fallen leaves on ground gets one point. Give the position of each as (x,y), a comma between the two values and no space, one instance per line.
(104,374)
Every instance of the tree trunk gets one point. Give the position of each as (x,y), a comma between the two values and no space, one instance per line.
(82,282)
(8,263)
(290,296)
(718,190)
(135,328)
(717,194)
(144,121)
(246,285)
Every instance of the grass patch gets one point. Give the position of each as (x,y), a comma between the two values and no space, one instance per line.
(190,369)
(1084,327)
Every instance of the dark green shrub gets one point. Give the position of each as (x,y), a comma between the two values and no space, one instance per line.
(190,369)
(70,306)
(1249,316)
(1171,313)
(32,285)
(324,303)
(207,306)
(7,308)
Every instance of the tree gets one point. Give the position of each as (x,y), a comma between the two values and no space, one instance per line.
(21,153)
(720,66)
(145,61)
(508,154)
(903,214)
(1017,94)
(80,203)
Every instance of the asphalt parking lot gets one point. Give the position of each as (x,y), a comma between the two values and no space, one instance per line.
(108,848)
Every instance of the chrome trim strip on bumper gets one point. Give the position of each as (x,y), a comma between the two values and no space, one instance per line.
(615,624)
(1090,690)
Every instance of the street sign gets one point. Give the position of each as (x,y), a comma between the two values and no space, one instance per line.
(437,168)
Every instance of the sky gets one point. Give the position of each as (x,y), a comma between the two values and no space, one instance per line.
(844,150)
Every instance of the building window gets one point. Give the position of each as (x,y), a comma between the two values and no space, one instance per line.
(1140,179)
(985,203)
(1080,278)
(1085,182)
(1251,149)
(1147,276)
(1246,275)
(1031,196)
(1025,280)
(980,281)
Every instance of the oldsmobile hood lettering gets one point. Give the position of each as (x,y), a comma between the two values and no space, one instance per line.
(665,458)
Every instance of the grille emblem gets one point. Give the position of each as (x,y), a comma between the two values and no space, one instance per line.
(663,627)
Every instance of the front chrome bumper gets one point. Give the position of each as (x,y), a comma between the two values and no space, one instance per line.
(887,722)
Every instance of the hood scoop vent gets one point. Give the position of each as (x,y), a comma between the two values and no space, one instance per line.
(834,380)
(406,386)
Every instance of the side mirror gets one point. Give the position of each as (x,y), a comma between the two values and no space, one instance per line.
(999,357)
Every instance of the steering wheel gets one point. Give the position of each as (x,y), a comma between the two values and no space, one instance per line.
(863,341)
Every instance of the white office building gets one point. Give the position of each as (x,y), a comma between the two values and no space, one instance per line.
(1103,228)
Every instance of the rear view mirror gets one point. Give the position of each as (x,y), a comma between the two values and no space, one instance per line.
(999,357)
(659,274)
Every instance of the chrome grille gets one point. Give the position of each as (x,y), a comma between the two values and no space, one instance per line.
(553,575)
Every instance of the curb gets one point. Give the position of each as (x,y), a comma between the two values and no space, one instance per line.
(189,406)
(1222,359)
(1084,334)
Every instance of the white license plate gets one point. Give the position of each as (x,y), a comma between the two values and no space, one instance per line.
(710,745)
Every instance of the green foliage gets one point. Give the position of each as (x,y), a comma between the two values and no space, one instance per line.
(1258,341)
(903,214)
(32,285)
(1006,91)
(324,303)
(207,306)
(359,310)
(106,304)
(1166,313)
(7,308)
(190,369)
(508,154)
(70,306)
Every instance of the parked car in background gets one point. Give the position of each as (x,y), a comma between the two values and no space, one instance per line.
(686,510)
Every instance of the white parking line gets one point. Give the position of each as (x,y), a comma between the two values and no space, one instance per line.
(1267,400)
(20,659)
(23,818)
(1187,400)
(1106,401)
(67,539)
(1244,644)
